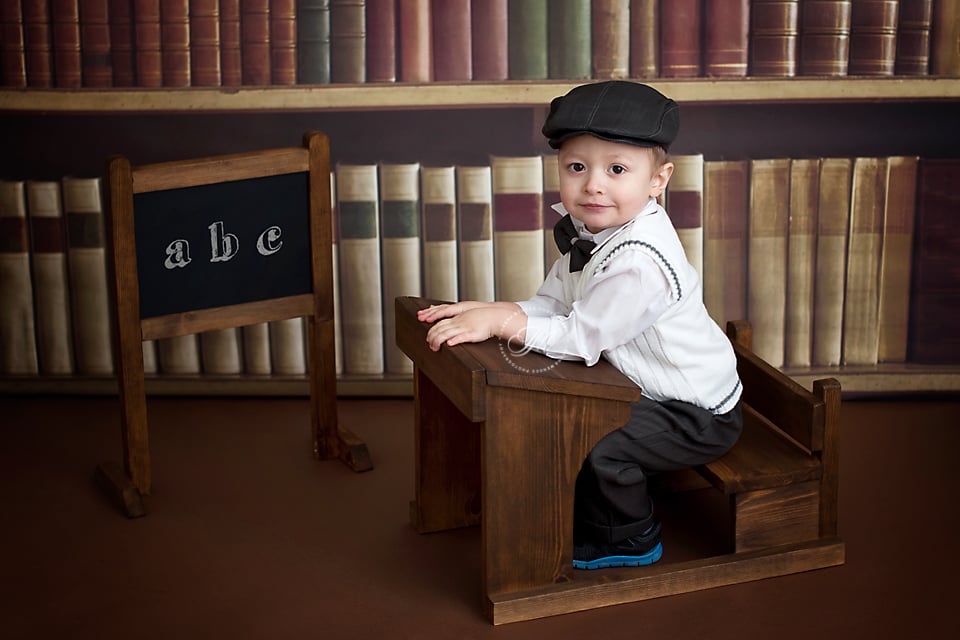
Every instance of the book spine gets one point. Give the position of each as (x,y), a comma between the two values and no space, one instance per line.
(358,204)
(824,37)
(873,37)
(381,39)
(221,352)
(570,54)
(685,206)
(517,184)
(527,47)
(13,65)
(833,219)
(348,41)
(774,32)
(313,41)
(231,59)
(439,188)
(452,40)
(256,349)
(50,283)
(283,42)
(255,42)
(897,257)
(644,38)
(551,196)
(18,346)
(335,253)
(680,39)
(415,44)
(149,51)
(610,39)
(725,205)
(95,45)
(122,49)
(175,42)
(179,355)
(913,38)
(475,229)
(287,347)
(87,261)
(944,43)
(489,40)
(38,44)
(150,365)
(801,260)
(67,61)
(726,38)
(205,43)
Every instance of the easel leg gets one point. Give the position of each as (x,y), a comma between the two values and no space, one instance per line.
(111,479)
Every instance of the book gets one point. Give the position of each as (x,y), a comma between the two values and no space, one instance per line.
(774,32)
(348,41)
(680,39)
(833,221)
(452,40)
(381,36)
(767,256)
(873,37)
(87,268)
(146,36)
(896,257)
(179,355)
(67,62)
(283,42)
(489,40)
(475,233)
(726,37)
(944,39)
(231,63)
(205,43)
(824,37)
(221,352)
(415,45)
(439,189)
(255,42)
(122,46)
(13,64)
(684,204)
(313,41)
(18,346)
(644,38)
(150,365)
(335,254)
(569,54)
(726,185)
(288,355)
(400,241)
(51,288)
(175,42)
(256,349)
(551,196)
(801,260)
(914,25)
(38,43)
(934,333)
(358,206)
(517,184)
(527,46)
(96,48)
(610,39)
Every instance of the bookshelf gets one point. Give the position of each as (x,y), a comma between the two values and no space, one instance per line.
(741,117)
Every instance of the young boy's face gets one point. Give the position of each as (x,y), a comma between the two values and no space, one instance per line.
(605,184)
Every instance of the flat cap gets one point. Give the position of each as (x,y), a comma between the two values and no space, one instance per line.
(616,110)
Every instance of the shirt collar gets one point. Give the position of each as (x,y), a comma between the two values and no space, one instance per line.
(604,236)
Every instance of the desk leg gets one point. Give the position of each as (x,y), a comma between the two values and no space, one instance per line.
(447,447)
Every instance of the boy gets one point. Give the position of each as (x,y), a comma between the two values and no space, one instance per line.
(623,290)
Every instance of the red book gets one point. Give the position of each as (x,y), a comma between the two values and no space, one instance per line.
(726,37)
(873,37)
(37,46)
(452,41)
(205,43)
(149,54)
(175,42)
(255,41)
(381,40)
(12,62)
(416,47)
(283,41)
(680,39)
(67,63)
(913,38)
(95,45)
(231,67)
(773,37)
(122,51)
(489,43)
(824,37)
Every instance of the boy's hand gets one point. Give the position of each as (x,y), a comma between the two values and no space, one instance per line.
(473,322)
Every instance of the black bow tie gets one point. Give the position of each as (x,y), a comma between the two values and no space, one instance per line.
(568,240)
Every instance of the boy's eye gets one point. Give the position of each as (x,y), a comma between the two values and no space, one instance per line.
(577,167)
(617,169)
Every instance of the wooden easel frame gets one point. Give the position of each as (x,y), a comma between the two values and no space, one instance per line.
(127,486)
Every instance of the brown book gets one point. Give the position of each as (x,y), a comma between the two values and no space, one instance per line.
(175,42)
(381,40)
(897,257)
(489,43)
(283,42)
(13,64)
(824,37)
(122,50)
(774,31)
(726,185)
(37,44)
(231,64)
(726,37)
(255,41)
(67,62)
(913,38)
(944,42)
(205,43)
(149,55)
(680,39)
(873,37)
(348,41)
(934,333)
(415,44)
(95,45)
(610,39)
(452,40)
(644,38)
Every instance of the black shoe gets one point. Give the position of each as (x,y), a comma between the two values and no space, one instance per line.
(636,551)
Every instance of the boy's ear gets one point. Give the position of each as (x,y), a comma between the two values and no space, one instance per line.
(658,183)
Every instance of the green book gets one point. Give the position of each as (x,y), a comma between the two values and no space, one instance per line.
(527,39)
(313,41)
(569,40)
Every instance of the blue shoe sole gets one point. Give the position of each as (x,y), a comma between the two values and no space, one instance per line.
(622,561)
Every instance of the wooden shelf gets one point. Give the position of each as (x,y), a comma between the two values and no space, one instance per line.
(343,97)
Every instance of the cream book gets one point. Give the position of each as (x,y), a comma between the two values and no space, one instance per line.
(256,349)
(517,226)
(288,356)
(439,187)
(551,196)
(685,206)
(337,315)
(726,187)
(18,345)
(475,233)
(179,355)
(801,260)
(221,351)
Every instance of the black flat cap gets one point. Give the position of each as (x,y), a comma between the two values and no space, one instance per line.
(615,110)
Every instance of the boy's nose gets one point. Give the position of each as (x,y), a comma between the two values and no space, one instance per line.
(594,183)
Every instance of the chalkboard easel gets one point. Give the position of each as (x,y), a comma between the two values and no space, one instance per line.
(214,243)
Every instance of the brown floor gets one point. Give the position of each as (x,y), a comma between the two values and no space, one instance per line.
(249,537)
